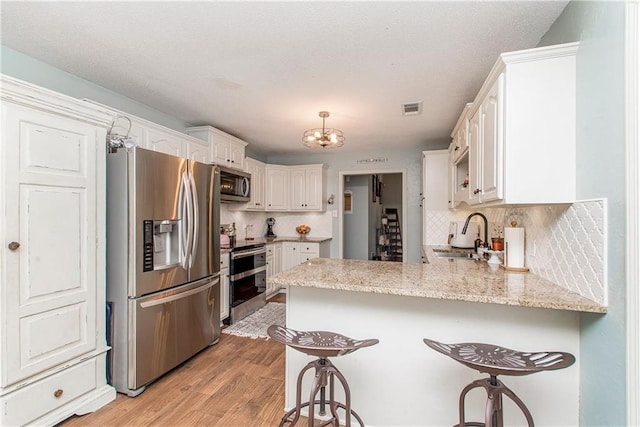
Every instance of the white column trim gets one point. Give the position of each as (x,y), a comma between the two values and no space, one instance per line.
(632,107)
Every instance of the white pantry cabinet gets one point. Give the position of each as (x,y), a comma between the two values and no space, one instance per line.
(52,280)
(226,150)
(276,188)
(307,187)
(522,147)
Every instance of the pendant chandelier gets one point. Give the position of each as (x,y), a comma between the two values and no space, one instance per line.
(325,137)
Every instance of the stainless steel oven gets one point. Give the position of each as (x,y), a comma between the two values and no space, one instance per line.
(247,280)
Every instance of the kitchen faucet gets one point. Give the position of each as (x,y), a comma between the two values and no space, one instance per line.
(486,227)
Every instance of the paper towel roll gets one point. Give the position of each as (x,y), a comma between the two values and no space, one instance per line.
(514,247)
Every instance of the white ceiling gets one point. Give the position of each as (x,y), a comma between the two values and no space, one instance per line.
(263,70)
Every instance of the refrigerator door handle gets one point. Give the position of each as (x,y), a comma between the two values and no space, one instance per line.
(195,223)
(186,212)
(180,295)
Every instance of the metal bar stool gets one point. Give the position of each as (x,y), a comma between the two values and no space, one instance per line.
(495,360)
(323,345)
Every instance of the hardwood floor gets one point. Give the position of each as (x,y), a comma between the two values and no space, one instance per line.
(237,382)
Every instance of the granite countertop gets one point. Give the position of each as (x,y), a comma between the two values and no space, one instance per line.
(242,242)
(441,278)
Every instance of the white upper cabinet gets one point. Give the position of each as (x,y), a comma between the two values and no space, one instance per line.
(165,142)
(198,150)
(307,188)
(257,170)
(521,131)
(277,188)
(168,141)
(226,150)
(286,188)
(460,135)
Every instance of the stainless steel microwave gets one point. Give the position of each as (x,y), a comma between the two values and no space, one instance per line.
(235,185)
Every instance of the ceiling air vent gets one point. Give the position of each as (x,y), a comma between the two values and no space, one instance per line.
(412,108)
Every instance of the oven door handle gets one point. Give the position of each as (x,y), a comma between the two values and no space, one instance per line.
(240,276)
(243,254)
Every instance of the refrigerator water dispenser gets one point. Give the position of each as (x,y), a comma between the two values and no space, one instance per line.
(165,243)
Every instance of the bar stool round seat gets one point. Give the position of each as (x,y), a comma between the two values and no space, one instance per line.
(320,344)
(495,360)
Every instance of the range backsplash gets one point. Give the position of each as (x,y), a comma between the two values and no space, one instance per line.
(565,244)
(285,226)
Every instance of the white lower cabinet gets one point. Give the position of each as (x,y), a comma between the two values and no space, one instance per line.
(294,253)
(52,284)
(274,265)
(224,286)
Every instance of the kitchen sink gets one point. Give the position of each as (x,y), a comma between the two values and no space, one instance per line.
(456,255)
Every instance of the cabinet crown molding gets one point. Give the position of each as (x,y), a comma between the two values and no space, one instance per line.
(518,57)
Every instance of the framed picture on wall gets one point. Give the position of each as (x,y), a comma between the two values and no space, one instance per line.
(348,202)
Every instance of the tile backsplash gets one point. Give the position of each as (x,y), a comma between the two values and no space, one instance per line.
(565,244)
(285,225)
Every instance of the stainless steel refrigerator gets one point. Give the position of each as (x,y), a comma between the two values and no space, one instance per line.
(162,263)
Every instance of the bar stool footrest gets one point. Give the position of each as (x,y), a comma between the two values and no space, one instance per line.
(287,417)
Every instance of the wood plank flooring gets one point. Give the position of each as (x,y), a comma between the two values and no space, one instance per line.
(237,382)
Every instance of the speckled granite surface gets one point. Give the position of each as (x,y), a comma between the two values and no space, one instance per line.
(449,279)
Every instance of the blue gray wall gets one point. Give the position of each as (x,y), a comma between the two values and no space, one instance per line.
(600,158)
(356,224)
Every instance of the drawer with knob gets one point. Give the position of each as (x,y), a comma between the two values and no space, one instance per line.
(224,260)
(27,404)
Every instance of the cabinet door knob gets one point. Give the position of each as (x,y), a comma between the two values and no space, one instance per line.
(58,392)
(13,246)
(477,190)
(456,149)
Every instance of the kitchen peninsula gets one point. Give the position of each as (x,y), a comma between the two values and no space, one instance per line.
(446,300)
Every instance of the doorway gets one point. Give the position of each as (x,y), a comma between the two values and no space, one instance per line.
(372,215)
